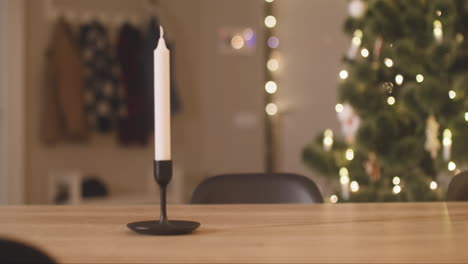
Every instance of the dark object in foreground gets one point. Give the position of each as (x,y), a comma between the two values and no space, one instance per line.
(16,252)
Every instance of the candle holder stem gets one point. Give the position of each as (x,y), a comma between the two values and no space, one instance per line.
(162,202)
(163,175)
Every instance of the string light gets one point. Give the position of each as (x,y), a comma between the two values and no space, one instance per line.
(447,144)
(452,94)
(269,1)
(237,42)
(419,78)
(270,21)
(354,186)
(391,100)
(344,173)
(349,154)
(339,108)
(358,33)
(271,109)
(396,189)
(466,116)
(438,32)
(452,166)
(271,87)
(433,185)
(344,74)
(447,137)
(273,42)
(388,62)
(333,199)
(356,41)
(396,180)
(328,140)
(365,53)
(399,79)
(273,65)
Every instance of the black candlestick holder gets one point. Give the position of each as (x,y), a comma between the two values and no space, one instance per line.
(163,175)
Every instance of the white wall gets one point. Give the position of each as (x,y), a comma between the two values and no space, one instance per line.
(312,43)
(13,101)
(3,172)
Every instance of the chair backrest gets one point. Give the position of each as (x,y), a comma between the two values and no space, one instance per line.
(257,188)
(458,188)
(16,252)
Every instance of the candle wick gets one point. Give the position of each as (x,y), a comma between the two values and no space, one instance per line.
(161,30)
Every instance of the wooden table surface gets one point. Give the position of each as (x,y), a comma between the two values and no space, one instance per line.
(341,233)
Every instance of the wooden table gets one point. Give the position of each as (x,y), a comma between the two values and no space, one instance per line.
(352,233)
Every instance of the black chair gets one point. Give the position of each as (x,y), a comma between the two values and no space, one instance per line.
(458,188)
(257,188)
(16,252)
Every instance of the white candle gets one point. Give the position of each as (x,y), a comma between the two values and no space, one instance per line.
(162,108)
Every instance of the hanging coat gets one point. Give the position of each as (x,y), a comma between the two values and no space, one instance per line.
(63,115)
(102,97)
(133,126)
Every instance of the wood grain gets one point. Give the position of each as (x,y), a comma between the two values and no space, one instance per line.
(346,233)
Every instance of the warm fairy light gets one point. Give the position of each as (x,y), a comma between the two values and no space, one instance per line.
(438,13)
(459,37)
(344,179)
(419,78)
(270,21)
(447,142)
(396,180)
(339,108)
(358,33)
(396,189)
(447,133)
(452,166)
(433,185)
(365,53)
(269,1)
(237,42)
(388,62)
(356,41)
(271,87)
(391,100)
(438,32)
(354,186)
(344,173)
(328,133)
(271,109)
(344,74)
(399,79)
(349,154)
(333,199)
(327,141)
(447,138)
(273,65)
(466,116)
(452,94)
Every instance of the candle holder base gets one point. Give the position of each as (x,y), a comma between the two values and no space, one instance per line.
(163,228)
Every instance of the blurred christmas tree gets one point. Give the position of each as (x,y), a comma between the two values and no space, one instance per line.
(402,102)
